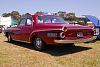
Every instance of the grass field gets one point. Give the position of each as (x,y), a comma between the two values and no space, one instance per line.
(23,55)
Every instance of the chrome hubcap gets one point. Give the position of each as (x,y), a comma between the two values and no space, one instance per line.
(38,42)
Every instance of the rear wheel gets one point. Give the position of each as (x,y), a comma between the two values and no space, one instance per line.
(38,44)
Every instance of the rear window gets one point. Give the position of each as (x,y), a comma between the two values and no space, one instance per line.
(50,19)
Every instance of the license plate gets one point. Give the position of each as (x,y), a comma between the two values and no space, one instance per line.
(79,34)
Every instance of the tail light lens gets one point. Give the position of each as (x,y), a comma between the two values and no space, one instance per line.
(62,35)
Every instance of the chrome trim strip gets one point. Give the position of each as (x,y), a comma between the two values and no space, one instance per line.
(79,28)
(75,41)
(46,30)
(62,29)
(21,41)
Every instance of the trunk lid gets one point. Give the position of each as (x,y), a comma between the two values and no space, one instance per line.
(75,32)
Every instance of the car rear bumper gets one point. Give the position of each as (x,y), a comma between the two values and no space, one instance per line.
(76,40)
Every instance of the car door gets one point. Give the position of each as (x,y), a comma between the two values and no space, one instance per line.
(17,33)
(27,29)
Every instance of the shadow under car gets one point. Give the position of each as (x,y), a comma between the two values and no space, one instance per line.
(55,50)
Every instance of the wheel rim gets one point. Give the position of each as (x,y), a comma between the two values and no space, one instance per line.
(38,43)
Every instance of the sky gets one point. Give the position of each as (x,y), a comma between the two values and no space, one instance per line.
(80,7)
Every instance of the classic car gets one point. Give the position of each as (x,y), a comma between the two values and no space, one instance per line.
(40,30)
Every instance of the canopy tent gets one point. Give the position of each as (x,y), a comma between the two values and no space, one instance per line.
(93,19)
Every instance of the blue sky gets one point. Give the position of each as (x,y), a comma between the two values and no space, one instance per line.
(80,7)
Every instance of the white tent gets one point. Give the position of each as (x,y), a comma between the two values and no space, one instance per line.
(5,21)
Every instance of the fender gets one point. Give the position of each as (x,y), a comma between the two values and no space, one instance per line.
(39,32)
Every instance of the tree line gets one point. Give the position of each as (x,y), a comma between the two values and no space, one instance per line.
(17,16)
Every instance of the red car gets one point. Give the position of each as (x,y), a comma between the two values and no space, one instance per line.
(48,29)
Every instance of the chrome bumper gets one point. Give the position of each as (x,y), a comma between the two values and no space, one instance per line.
(76,40)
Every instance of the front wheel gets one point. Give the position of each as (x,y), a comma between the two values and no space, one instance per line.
(9,38)
(38,44)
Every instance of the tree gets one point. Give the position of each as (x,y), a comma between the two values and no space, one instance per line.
(39,12)
(16,15)
(6,14)
(62,14)
(70,16)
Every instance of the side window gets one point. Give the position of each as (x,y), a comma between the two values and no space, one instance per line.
(29,22)
(40,20)
(47,21)
(23,21)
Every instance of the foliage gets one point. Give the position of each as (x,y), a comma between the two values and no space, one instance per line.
(39,12)
(14,14)
(66,16)
(6,14)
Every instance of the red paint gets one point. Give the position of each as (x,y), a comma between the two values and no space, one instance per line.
(26,32)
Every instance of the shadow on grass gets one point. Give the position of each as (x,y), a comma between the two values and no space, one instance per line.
(55,50)
(65,49)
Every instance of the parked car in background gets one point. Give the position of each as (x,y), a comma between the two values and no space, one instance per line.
(42,30)
(96,23)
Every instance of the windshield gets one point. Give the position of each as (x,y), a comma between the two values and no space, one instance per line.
(50,19)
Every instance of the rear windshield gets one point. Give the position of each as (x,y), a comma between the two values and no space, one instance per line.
(50,19)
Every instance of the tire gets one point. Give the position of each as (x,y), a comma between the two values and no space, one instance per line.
(38,44)
(9,38)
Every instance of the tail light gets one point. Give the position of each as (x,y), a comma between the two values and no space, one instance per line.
(62,35)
